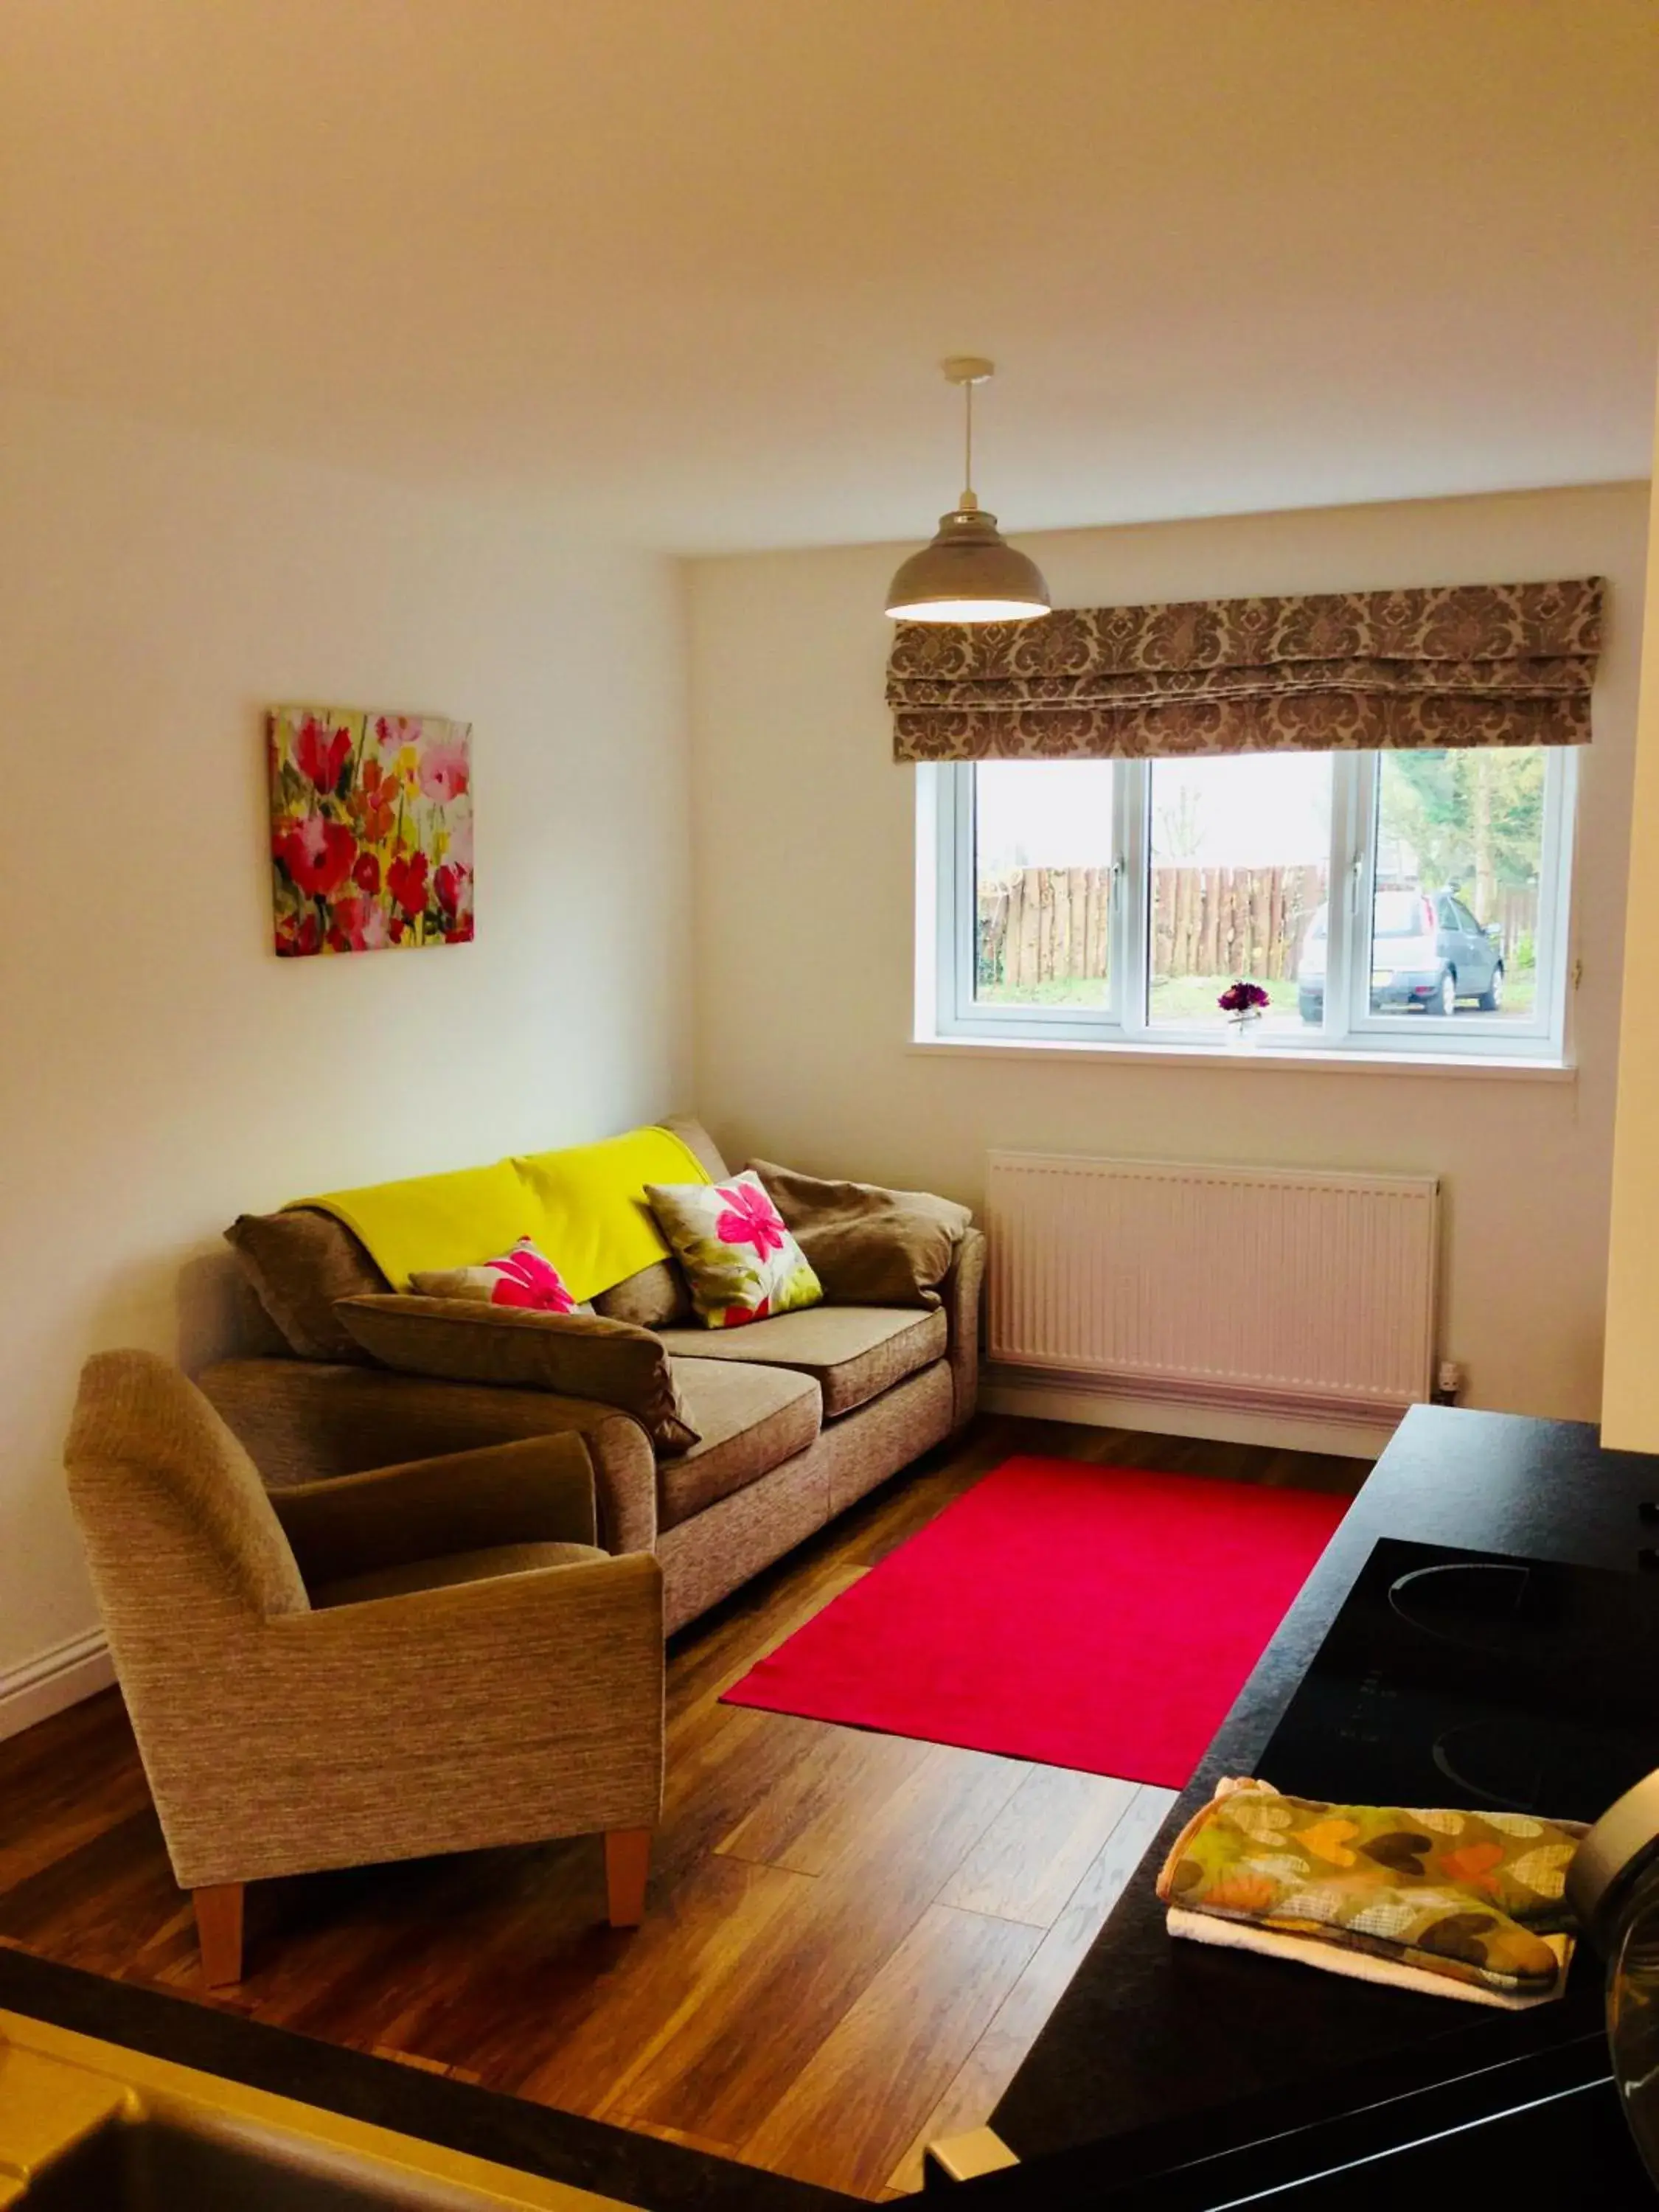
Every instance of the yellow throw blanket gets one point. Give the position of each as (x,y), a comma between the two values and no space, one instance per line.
(595,1225)
(454,1220)
(585,1208)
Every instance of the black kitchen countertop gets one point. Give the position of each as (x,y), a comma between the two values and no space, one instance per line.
(1156,2042)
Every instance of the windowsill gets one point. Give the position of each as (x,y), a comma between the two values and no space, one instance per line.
(1346,1060)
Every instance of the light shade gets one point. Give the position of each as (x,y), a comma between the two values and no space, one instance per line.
(967,574)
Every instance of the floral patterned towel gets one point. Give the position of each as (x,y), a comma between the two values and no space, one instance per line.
(1476,1897)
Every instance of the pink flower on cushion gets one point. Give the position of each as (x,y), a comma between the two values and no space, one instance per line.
(750,1217)
(524,1278)
(737,1316)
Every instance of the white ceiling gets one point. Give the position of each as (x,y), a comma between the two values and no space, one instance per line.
(681,270)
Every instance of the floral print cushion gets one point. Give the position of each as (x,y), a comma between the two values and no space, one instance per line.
(1477,1897)
(740,1260)
(522,1277)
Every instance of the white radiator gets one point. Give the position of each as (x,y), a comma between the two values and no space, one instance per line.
(1263,1288)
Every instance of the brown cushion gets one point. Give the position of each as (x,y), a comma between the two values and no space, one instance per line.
(868,1245)
(656,1297)
(750,1419)
(577,1355)
(853,1352)
(299,1263)
(453,1567)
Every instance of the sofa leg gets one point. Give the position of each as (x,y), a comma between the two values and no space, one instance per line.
(219,1932)
(627,1863)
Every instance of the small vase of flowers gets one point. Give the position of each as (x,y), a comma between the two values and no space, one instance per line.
(1242,1004)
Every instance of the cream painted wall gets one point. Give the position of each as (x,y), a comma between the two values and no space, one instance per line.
(1630,1409)
(804,872)
(162,1070)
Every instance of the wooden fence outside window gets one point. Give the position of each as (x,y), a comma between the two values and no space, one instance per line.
(1050,925)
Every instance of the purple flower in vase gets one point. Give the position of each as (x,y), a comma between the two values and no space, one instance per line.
(1242,997)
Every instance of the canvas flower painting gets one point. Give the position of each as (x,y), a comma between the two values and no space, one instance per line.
(371,830)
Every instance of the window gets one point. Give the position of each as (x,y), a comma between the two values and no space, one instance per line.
(1043,884)
(1241,864)
(1411,901)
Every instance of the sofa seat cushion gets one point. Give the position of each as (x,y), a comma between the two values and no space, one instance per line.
(749,1419)
(853,1352)
(455,1567)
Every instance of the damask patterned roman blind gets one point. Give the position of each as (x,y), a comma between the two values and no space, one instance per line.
(1457,664)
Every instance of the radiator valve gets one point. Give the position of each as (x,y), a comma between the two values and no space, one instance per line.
(1447,1383)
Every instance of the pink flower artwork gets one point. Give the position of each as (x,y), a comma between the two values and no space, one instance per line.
(322,751)
(750,1217)
(443,773)
(371,830)
(318,856)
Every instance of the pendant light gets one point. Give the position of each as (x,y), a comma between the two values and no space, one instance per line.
(967,574)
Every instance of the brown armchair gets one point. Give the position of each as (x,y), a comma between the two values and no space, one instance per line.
(425,1658)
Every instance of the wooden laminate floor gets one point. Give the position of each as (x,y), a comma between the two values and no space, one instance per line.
(852,1940)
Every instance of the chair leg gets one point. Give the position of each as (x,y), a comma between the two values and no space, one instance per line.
(627,1863)
(219,1932)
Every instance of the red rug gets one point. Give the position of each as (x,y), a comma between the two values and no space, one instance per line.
(1095,1617)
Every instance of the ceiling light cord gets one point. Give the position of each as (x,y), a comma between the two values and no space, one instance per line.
(969,504)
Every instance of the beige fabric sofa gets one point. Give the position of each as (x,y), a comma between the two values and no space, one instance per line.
(798,1416)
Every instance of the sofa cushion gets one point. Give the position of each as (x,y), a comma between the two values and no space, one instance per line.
(522,1277)
(749,1419)
(577,1355)
(299,1261)
(739,1259)
(453,1567)
(659,1296)
(853,1352)
(868,1245)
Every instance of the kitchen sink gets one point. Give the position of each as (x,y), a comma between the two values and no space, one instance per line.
(154,2165)
(89,2126)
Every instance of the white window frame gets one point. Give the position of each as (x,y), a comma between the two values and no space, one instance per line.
(946,892)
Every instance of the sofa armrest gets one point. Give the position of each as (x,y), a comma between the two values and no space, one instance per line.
(304,1420)
(539,1490)
(961,1291)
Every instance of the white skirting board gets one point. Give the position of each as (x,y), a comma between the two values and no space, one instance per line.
(1005,1391)
(54,1680)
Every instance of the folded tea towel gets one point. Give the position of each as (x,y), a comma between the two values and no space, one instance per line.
(1457,1904)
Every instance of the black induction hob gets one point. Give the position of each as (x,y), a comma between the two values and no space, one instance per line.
(1474,1679)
